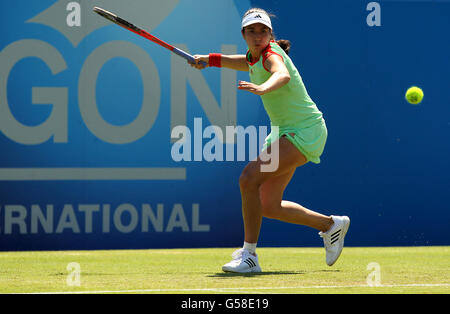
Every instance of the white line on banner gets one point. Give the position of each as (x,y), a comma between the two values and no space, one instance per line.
(91,174)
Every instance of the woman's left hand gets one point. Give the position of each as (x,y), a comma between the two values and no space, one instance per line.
(252,88)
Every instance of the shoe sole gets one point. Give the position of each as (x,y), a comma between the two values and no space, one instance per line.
(257,270)
(346,226)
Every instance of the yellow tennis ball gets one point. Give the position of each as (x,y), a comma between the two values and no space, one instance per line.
(414,95)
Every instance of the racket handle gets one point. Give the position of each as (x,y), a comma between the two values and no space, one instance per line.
(185,55)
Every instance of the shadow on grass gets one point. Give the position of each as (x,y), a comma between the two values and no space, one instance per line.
(271,273)
(231,275)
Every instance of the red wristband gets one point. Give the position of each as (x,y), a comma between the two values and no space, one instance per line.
(215,60)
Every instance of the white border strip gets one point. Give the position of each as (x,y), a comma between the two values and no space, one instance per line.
(91,174)
(241,290)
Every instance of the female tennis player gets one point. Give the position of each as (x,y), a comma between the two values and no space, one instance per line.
(301,139)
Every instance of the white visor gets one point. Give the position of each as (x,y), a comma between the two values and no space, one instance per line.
(257,17)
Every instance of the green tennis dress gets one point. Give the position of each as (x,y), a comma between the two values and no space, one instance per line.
(290,108)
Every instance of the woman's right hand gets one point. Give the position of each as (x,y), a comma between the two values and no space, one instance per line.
(198,59)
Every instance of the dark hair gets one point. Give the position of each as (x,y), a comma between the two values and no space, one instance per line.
(284,43)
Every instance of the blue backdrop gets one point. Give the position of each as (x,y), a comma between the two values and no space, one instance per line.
(87,110)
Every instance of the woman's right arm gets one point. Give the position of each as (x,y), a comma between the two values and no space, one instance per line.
(234,62)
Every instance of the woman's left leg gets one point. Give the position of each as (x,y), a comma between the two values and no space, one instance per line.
(274,207)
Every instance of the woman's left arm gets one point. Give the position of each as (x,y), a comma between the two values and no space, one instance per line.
(280,77)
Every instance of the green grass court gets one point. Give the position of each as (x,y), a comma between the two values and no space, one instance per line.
(198,271)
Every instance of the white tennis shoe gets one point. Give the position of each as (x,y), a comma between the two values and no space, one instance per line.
(243,262)
(333,239)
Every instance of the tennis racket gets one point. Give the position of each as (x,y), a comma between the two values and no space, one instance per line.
(133,28)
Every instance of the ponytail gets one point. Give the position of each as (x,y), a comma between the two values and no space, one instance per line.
(285,45)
